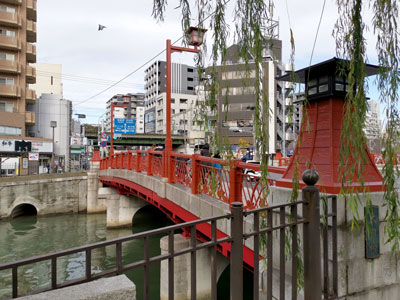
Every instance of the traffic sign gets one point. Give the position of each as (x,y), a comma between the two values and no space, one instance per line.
(103,135)
(108,138)
(124,126)
(103,144)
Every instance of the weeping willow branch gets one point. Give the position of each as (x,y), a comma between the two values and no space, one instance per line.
(386,15)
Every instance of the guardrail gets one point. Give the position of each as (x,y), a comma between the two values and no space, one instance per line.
(276,224)
(226,180)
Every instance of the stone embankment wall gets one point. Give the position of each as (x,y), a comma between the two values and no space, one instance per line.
(49,194)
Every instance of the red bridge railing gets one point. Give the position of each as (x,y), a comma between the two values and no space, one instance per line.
(228,181)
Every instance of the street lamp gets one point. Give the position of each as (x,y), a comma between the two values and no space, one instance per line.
(196,36)
(112,125)
(53,124)
(82,134)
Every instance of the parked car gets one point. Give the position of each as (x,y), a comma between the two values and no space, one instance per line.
(253,175)
(246,157)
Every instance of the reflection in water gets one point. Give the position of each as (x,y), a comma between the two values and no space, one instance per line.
(30,236)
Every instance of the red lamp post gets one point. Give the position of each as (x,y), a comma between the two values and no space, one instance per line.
(112,125)
(196,39)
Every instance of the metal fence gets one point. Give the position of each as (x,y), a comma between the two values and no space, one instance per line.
(320,271)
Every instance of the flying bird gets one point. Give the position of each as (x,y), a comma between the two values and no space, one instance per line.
(101,27)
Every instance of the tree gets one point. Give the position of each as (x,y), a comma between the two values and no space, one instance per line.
(251,19)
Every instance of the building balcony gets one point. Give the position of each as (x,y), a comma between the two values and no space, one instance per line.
(10,19)
(10,67)
(9,43)
(30,53)
(290,136)
(30,96)
(9,91)
(14,2)
(30,31)
(30,118)
(31,10)
(30,75)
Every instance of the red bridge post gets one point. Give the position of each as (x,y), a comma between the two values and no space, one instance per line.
(235,184)
(149,162)
(195,173)
(138,154)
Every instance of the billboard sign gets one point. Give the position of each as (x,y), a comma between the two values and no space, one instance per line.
(7,145)
(124,126)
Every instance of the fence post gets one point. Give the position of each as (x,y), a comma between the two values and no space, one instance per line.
(129,160)
(235,184)
(311,235)
(149,162)
(236,275)
(195,173)
(138,155)
(170,167)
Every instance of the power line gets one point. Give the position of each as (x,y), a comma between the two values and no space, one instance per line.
(143,65)
(83,79)
(316,34)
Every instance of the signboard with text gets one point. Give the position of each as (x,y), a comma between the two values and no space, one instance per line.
(124,126)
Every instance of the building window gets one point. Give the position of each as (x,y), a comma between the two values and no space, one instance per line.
(7,130)
(183,101)
(172,100)
(7,81)
(7,56)
(190,79)
(190,70)
(7,9)
(6,32)
(190,88)
(6,106)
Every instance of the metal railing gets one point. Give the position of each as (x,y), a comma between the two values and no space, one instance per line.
(274,224)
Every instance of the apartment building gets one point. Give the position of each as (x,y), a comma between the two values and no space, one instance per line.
(135,109)
(17,52)
(184,80)
(237,99)
(373,127)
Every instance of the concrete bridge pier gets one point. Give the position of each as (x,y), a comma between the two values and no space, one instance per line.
(121,209)
(92,194)
(182,270)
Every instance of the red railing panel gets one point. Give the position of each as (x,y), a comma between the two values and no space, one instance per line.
(227,181)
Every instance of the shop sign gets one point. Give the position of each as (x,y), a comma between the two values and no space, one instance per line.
(75,141)
(33,156)
(42,147)
(7,145)
(25,163)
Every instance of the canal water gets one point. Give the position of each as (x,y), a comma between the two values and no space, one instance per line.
(28,236)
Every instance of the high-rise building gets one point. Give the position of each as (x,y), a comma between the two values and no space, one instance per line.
(135,109)
(236,100)
(184,80)
(17,51)
(373,127)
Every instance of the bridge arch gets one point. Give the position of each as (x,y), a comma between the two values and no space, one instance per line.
(24,205)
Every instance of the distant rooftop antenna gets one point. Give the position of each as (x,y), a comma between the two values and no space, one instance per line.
(271,28)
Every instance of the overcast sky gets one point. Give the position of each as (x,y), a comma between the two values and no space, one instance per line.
(67,34)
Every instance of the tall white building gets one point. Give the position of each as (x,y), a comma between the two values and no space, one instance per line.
(48,79)
(373,127)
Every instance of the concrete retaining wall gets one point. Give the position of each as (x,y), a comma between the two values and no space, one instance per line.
(49,195)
